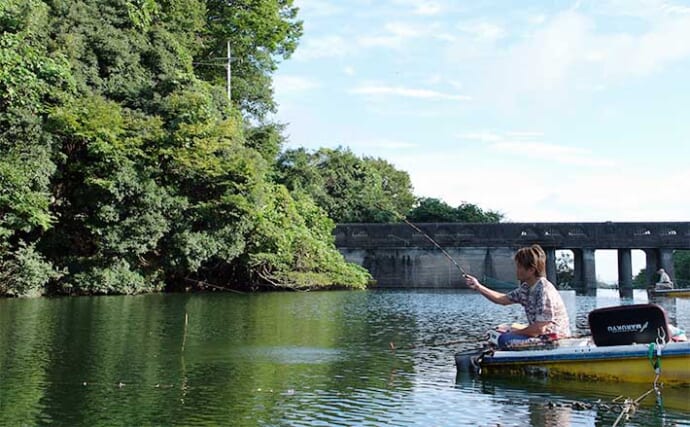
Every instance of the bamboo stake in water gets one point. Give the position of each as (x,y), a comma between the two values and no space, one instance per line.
(184,334)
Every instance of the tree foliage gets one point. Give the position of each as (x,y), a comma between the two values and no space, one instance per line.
(681,268)
(125,169)
(260,32)
(347,187)
(32,82)
(434,210)
(286,232)
(565,270)
(640,279)
(681,271)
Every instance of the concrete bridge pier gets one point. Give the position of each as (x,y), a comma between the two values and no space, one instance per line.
(656,259)
(666,261)
(551,265)
(651,262)
(585,268)
(624,272)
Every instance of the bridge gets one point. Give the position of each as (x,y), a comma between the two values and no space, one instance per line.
(398,256)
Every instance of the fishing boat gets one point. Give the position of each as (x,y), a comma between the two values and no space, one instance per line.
(629,343)
(654,292)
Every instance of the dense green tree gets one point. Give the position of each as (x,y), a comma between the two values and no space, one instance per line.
(131,61)
(125,168)
(565,270)
(435,210)
(287,231)
(432,210)
(112,213)
(266,138)
(347,187)
(681,268)
(681,271)
(32,82)
(640,279)
(122,171)
(260,32)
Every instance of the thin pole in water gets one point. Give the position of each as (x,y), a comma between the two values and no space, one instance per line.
(184,334)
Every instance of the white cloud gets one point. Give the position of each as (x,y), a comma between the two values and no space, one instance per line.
(528,144)
(483,30)
(420,7)
(570,51)
(332,46)
(398,34)
(428,8)
(319,8)
(387,144)
(551,152)
(405,30)
(545,60)
(391,42)
(653,50)
(482,136)
(578,73)
(394,35)
(536,19)
(644,9)
(408,93)
(283,84)
(676,9)
(519,134)
(535,191)
(495,137)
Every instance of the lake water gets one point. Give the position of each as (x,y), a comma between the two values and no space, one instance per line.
(290,359)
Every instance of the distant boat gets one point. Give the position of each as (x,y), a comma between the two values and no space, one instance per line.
(623,337)
(654,292)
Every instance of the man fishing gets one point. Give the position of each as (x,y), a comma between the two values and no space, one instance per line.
(664,280)
(544,307)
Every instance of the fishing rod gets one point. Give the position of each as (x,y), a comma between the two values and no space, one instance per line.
(417,229)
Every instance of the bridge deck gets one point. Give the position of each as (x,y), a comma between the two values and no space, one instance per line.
(560,235)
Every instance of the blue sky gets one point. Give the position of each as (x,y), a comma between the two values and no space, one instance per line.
(541,110)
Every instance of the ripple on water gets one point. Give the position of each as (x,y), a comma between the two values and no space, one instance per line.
(292,355)
(302,359)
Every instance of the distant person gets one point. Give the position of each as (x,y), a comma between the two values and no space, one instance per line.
(543,304)
(664,280)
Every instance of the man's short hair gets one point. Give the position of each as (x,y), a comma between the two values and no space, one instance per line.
(532,257)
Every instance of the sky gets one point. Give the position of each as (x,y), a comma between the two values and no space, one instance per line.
(544,111)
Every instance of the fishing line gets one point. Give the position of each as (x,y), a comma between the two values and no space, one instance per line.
(414,227)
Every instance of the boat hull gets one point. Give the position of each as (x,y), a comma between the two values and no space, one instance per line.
(628,363)
(669,293)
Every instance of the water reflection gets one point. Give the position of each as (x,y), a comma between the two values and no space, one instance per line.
(561,402)
(286,359)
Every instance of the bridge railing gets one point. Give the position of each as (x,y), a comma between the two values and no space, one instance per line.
(600,235)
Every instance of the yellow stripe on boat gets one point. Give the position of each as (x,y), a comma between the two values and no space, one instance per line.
(628,363)
(669,293)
